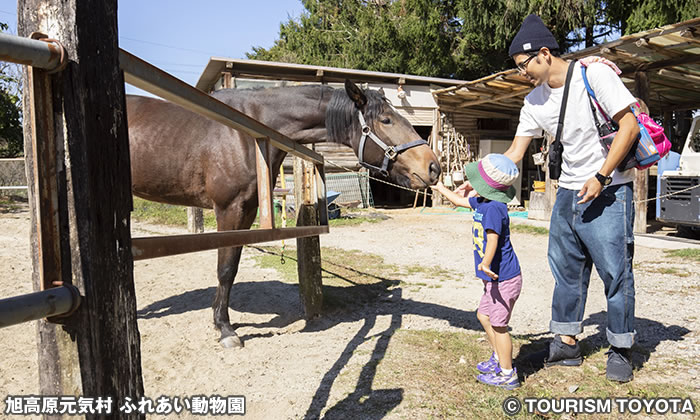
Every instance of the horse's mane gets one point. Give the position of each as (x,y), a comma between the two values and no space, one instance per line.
(340,114)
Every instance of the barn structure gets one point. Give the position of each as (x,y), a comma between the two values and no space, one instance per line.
(661,66)
(464,120)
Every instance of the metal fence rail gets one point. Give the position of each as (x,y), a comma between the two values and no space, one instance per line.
(47,55)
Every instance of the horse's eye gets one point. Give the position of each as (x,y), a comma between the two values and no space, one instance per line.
(386,121)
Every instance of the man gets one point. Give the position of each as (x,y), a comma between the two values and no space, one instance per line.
(592,219)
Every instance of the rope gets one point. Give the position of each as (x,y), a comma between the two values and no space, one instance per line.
(667,195)
(380,180)
(430,195)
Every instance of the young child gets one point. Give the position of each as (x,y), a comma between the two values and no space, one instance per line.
(496,264)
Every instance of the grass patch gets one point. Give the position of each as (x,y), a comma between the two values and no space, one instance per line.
(166,214)
(171,215)
(689,254)
(662,268)
(532,230)
(423,370)
(351,277)
(11,202)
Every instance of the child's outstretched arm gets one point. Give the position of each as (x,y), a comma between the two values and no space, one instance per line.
(491,246)
(454,198)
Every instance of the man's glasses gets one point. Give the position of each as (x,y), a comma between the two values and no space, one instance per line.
(523,66)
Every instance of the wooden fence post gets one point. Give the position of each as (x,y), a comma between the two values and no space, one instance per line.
(95,187)
(195,220)
(308,249)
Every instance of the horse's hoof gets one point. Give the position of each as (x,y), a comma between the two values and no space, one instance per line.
(231,341)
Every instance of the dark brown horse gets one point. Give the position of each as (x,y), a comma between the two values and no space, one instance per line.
(179,157)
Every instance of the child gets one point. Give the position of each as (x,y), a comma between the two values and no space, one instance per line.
(496,264)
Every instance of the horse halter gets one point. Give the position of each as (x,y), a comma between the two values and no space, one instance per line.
(390,152)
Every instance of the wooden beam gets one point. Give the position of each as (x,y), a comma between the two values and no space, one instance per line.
(494,98)
(101,356)
(163,246)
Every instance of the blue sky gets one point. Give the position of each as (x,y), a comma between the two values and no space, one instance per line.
(180,36)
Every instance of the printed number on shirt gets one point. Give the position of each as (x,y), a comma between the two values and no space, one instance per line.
(478,232)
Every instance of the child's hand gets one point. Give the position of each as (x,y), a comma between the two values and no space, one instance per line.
(464,189)
(437,186)
(487,270)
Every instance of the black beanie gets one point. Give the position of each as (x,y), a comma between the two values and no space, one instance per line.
(532,36)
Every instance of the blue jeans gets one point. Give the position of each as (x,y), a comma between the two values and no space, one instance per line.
(598,233)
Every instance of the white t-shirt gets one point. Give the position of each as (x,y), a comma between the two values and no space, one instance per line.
(583,153)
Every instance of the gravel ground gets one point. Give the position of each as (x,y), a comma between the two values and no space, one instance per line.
(287,365)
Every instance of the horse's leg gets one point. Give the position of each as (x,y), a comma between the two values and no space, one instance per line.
(227,268)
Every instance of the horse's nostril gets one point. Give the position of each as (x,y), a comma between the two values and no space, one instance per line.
(434,170)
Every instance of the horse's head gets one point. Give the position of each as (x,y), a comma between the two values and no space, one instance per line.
(383,140)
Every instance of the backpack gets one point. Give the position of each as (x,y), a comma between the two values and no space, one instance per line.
(651,144)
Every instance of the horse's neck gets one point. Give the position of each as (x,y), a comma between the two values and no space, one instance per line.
(298,113)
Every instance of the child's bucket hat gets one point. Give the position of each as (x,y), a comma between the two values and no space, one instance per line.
(493,177)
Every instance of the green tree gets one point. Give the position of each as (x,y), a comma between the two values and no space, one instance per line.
(407,36)
(11,138)
(464,39)
(640,15)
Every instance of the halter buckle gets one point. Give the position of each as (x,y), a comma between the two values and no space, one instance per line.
(391,152)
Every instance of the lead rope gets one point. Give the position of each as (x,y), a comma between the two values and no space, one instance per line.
(430,195)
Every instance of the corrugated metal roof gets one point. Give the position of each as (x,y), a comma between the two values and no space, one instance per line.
(669,56)
(256,69)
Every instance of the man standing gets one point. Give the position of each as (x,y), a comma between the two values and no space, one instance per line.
(592,219)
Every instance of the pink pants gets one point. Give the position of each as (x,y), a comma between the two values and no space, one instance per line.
(499,298)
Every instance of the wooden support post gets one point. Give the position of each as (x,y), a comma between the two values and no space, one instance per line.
(668,126)
(435,140)
(264,167)
(641,178)
(320,187)
(195,220)
(308,249)
(97,351)
(641,190)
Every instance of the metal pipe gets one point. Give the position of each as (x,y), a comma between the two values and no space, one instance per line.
(154,80)
(163,246)
(51,302)
(39,54)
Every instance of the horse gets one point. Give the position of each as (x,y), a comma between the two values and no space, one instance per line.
(179,157)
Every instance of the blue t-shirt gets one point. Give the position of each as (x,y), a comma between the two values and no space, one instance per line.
(493,215)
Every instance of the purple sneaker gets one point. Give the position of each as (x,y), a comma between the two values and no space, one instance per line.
(488,366)
(500,380)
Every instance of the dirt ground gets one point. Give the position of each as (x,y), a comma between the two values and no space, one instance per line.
(288,367)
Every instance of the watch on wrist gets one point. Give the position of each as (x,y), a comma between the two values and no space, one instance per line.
(604,180)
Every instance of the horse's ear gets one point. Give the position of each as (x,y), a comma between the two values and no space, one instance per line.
(381,91)
(355,93)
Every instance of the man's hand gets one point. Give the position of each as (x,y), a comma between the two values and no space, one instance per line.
(590,191)
(486,269)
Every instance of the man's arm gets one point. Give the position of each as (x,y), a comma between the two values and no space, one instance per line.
(517,149)
(623,141)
